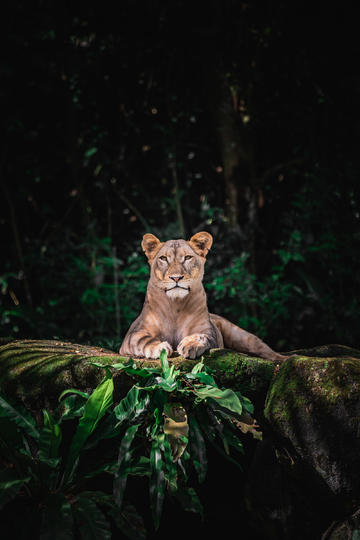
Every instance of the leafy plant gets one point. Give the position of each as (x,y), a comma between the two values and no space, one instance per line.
(182,410)
(158,431)
(39,470)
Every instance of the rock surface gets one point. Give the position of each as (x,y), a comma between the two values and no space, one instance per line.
(309,461)
(314,403)
(36,372)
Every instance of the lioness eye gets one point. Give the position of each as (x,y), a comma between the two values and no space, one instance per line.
(163,258)
(188,257)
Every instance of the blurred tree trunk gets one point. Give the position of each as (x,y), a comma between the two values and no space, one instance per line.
(242,190)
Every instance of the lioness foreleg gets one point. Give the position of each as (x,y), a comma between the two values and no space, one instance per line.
(144,345)
(194,345)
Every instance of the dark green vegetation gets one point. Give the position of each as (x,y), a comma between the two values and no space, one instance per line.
(236,117)
(50,475)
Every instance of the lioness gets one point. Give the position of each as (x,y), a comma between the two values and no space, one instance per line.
(175,314)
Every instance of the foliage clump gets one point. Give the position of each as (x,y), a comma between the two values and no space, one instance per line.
(73,470)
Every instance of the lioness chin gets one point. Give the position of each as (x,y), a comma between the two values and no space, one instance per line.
(175,316)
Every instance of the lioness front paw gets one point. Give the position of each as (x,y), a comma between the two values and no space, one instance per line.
(193,345)
(153,351)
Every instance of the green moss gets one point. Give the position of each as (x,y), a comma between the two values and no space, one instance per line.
(303,384)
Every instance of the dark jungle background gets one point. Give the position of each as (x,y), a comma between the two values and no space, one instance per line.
(235,117)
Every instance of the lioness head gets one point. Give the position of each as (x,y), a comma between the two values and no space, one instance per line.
(177,266)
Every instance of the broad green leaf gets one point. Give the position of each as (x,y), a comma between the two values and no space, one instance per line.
(226,398)
(95,408)
(128,410)
(57,520)
(90,520)
(197,368)
(50,438)
(10,485)
(246,403)
(21,418)
(197,448)
(157,482)
(213,431)
(169,384)
(85,395)
(126,407)
(123,455)
(206,378)
(164,364)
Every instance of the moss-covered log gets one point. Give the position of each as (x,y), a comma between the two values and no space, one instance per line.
(36,372)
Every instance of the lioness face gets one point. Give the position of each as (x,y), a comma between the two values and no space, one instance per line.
(177,266)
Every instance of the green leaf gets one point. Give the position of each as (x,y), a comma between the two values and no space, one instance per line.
(129,408)
(164,364)
(197,368)
(226,398)
(197,448)
(126,407)
(157,482)
(57,520)
(246,403)
(169,384)
(50,438)
(70,407)
(21,418)
(130,368)
(85,395)
(212,431)
(10,485)
(123,455)
(95,408)
(206,378)
(90,520)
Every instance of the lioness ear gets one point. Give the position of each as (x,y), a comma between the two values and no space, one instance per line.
(201,242)
(150,245)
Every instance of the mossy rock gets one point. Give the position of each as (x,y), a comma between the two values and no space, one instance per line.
(35,372)
(315,404)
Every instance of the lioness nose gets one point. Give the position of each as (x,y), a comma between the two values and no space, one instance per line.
(176,278)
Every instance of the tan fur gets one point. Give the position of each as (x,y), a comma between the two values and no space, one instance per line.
(175,316)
